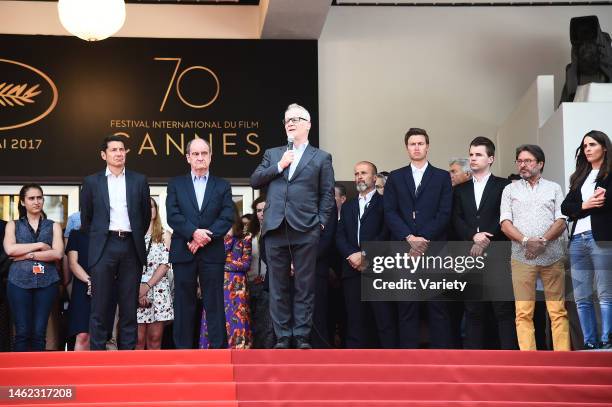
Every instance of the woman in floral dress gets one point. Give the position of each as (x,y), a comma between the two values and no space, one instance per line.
(154,298)
(237,263)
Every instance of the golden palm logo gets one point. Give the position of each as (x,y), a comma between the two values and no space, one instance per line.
(26,100)
(11,95)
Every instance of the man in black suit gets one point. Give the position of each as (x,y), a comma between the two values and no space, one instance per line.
(418,204)
(115,212)
(362,220)
(200,211)
(476,206)
(299,201)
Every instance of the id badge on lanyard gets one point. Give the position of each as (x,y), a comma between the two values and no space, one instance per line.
(38,268)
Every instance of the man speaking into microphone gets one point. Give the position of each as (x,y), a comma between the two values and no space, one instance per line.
(300,197)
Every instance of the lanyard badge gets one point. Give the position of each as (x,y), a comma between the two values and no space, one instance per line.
(38,268)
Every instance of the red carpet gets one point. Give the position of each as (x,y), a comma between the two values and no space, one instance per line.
(315,378)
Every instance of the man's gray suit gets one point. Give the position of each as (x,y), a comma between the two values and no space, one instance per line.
(294,212)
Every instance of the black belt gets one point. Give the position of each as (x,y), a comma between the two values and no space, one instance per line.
(120,234)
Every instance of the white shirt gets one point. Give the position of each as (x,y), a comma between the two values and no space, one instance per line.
(364,202)
(479,187)
(298,152)
(117,199)
(199,185)
(587,190)
(417,175)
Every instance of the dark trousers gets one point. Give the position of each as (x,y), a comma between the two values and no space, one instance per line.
(439,324)
(359,326)
(320,334)
(30,309)
(120,270)
(456,311)
(210,276)
(475,318)
(284,246)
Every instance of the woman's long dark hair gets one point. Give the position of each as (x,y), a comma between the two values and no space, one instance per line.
(22,193)
(254,225)
(237,227)
(583,166)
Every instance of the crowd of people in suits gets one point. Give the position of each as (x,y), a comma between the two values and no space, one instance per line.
(290,274)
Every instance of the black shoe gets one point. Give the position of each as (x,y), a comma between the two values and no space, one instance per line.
(282,343)
(591,346)
(605,345)
(302,343)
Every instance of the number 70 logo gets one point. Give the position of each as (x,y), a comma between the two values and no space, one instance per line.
(178,83)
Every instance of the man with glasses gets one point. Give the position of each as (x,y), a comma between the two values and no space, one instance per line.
(299,201)
(530,216)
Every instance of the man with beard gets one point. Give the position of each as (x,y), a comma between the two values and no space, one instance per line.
(530,216)
(362,220)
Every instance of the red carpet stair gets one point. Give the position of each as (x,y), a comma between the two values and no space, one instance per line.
(315,378)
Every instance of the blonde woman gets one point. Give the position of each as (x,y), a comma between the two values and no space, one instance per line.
(154,298)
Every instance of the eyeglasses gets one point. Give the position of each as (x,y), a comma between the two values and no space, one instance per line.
(293,120)
(259,210)
(526,162)
(380,187)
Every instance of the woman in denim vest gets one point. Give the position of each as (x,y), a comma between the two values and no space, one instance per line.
(34,243)
(589,205)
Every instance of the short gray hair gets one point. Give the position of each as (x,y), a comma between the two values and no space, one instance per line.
(302,108)
(464,163)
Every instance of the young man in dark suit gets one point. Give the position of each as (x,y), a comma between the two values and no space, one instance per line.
(362,220)
(475,217)
(418,204)
(115,212)
(300,196)
(200,211)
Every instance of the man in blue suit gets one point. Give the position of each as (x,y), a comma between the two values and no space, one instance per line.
(115,213)
(362,220)
(418,205)
(200,211)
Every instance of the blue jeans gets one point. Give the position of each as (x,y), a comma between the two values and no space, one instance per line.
(30,309)
(592,261)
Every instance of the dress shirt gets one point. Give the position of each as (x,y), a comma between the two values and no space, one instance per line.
(533,211)
(298,151)
(117,199)
(479,187)
(364,201)
(417,175)
(199,185)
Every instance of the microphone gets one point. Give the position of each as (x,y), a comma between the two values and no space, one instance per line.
(289,142)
